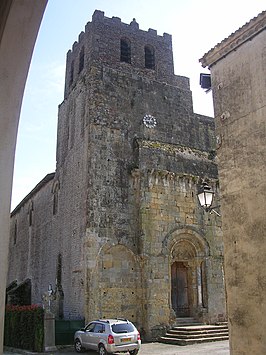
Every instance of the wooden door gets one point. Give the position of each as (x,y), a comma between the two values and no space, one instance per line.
(179,291)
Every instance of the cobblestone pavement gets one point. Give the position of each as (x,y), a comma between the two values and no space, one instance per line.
(214,348)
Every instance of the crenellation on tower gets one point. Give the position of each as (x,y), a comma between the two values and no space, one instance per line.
(103,43)
(152,32)
(81,36)
(116,20)
(167,37)
(134,24)
(98,16)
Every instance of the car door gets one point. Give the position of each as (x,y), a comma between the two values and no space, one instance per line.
(98,331)
(87,337)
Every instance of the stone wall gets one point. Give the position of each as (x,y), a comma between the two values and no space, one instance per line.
(238,84)
(31,252)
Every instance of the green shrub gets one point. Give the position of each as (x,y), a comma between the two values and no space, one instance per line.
(24,327)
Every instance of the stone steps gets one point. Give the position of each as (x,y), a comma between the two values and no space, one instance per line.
(186,321)
(195,333)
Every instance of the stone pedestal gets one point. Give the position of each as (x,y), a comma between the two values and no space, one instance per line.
(49,331)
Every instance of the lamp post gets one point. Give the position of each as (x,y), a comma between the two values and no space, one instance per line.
(205,196)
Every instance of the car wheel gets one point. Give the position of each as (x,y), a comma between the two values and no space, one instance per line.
(102,350)
(134,352)
(78,346)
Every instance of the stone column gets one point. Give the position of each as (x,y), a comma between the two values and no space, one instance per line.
(49,331)
(199,285)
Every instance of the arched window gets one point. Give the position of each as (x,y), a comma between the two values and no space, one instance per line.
(149,57)
(125,51)
(81,59)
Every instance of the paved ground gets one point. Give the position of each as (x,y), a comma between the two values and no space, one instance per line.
(214,348)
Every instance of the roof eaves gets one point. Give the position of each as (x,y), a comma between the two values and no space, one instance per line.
(236,39)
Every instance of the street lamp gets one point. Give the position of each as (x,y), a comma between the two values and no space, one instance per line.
(205,196)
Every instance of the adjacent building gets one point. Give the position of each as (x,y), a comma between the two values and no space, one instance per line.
(238,72)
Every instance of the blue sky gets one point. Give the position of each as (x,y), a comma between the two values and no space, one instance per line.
(196,26)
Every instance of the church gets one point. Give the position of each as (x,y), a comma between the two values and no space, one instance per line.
(117,229)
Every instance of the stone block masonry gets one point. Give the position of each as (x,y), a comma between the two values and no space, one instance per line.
(125,234)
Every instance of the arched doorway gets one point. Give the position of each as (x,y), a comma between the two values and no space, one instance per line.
(187,278)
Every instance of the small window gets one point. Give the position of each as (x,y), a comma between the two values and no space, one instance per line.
(59,270)
(15,233)
(55,202)
(71,73)
(30,213)
(81,59)
(149,57)
(125,51)
(55,192)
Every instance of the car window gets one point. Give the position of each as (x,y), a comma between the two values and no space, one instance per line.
(90,327)
(123,328)
(99,328)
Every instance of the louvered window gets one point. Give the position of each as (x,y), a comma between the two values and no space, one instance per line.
(149,57)
(125,51)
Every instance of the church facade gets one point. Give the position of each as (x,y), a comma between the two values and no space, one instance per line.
(117,230)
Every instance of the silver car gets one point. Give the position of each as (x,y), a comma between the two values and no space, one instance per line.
(108,336)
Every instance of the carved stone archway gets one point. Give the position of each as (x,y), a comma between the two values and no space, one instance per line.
(188,252)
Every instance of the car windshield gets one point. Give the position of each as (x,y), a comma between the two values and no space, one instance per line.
(123,328)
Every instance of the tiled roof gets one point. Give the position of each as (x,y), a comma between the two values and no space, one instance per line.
(236,39)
